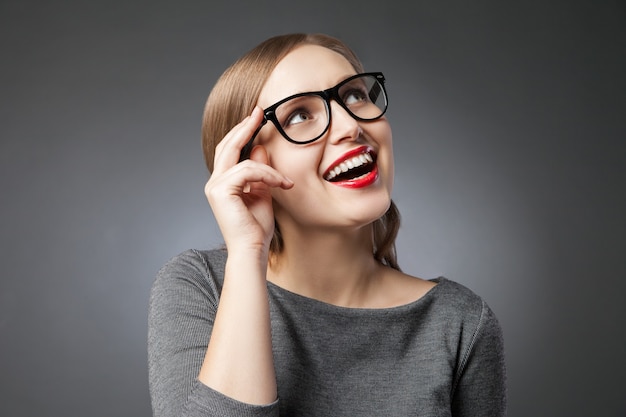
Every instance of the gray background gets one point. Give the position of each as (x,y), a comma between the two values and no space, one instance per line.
(509,133)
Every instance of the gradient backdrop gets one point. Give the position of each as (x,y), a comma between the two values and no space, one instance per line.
(509,128)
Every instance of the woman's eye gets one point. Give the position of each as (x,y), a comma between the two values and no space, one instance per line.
(297,117)
(354,96)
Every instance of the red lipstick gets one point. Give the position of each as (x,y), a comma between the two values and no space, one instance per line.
(355,169)
(360,182)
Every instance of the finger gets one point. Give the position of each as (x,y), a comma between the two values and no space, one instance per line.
(254,171)
(239,178)
(259,155)
(228,150)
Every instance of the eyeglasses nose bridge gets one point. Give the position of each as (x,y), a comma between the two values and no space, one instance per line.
(346,115)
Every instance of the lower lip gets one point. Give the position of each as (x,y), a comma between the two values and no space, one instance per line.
(360,182)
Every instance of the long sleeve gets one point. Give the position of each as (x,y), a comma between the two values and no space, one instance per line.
(183,303)
(480,386)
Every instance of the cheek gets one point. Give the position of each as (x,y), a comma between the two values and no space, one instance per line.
(297,162)
(302,166)
(384,138)
(289,165)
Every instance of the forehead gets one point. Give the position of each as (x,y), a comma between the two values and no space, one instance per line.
(306,68)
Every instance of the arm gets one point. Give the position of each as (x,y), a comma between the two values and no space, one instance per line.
(239,361)
(180,320)
(480,386)
(183,304)
(225,343)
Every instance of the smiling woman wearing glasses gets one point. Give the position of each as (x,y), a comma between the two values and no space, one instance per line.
(305,311)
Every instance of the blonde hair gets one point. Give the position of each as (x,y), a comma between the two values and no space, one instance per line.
(236,93)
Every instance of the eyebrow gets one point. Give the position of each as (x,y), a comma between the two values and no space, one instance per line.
(341,79)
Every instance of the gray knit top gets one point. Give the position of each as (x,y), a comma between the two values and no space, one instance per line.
(441,355)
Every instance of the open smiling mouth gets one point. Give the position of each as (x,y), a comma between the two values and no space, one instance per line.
(353,168)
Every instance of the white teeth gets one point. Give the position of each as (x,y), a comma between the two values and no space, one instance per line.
(348,164)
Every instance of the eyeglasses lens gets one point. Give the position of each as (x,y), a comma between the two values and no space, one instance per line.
(364,97)
(303,118)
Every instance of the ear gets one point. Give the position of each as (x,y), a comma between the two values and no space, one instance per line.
(259,154)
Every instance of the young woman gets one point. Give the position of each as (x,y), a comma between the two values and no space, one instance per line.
(305,312)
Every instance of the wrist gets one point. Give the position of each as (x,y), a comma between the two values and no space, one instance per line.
(252,256)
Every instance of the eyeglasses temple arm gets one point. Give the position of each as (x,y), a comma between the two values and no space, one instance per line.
(247,148)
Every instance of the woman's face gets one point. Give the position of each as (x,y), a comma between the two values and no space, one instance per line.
(316,200)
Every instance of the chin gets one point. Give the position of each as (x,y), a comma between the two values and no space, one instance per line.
(366,212)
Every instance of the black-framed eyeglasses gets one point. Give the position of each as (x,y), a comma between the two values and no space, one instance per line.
(304,117)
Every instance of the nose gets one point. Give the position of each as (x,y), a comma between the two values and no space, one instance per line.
(342,125)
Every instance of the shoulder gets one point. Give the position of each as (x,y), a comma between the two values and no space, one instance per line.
(461,308)
(476,336)
(473,316)
(195,260)
(456,297)
(191,271)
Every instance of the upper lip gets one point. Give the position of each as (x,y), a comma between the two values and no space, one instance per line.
(348,159)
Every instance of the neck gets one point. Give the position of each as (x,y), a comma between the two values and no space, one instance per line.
(330,266)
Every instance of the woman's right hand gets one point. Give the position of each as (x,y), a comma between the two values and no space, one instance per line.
(240,192)
(239,360)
